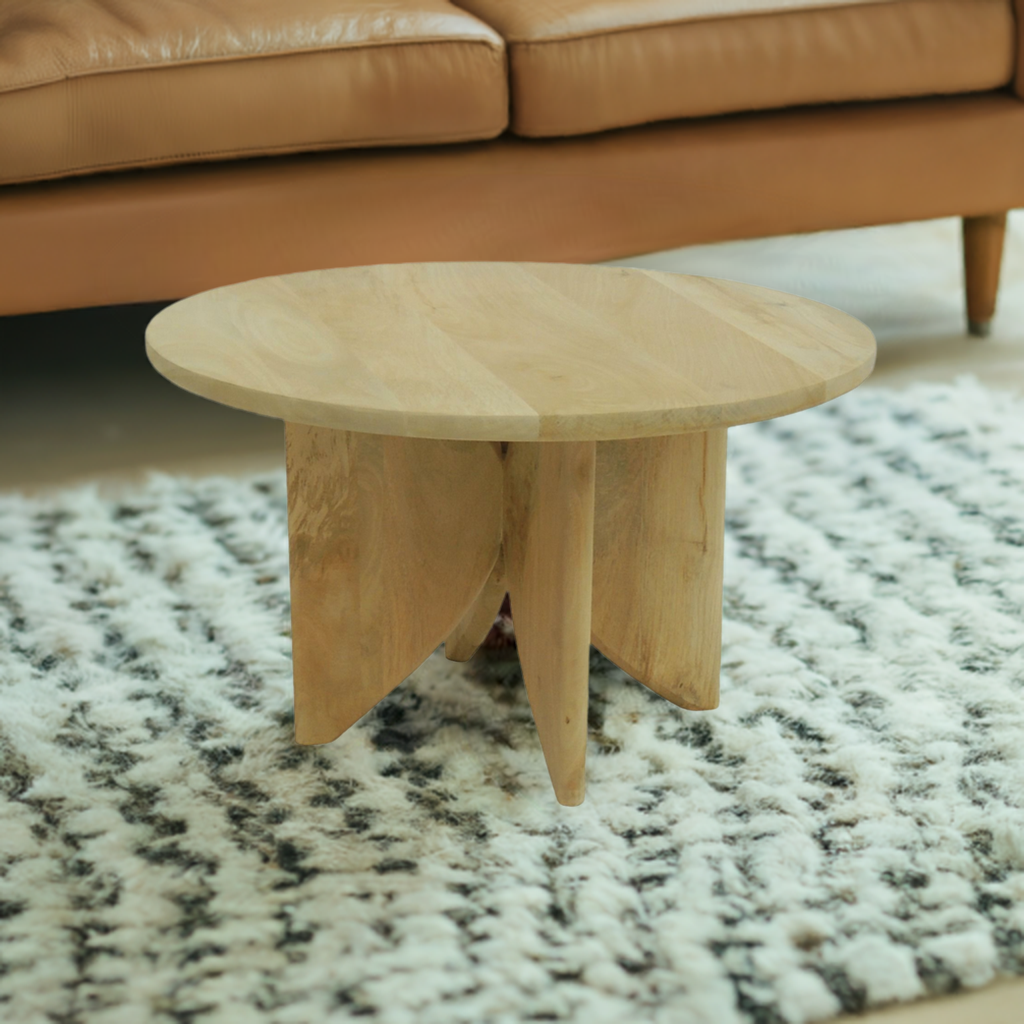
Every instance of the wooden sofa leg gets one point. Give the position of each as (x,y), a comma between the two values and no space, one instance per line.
(983,254)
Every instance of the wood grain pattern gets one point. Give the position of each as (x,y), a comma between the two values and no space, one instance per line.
(658,545)
(390,542)
(549,541)
(407,525)
(509,351)
(983,257)
(474,626)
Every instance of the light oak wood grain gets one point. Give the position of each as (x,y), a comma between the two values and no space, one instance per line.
(474,626)
(407,525)
(390,541)
(549,541)
(658,544)
(509,351)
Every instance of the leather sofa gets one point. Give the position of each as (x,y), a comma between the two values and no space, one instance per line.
(150,149)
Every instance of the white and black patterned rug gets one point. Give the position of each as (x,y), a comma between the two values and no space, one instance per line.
(847,829)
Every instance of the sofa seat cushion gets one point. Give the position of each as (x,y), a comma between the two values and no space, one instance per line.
(90,85)
(586,65)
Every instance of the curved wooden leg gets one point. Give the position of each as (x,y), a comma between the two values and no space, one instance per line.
(658,543)
(549,539)
(983,256)
(397,544)
(390,540)
(474,626)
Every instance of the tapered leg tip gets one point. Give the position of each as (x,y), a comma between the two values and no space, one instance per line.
(570,797)
(979,328)
(688,702)
(313,730)
(569,781)
(454,652)
(313,738)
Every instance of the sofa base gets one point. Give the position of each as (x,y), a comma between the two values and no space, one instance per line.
(161,234)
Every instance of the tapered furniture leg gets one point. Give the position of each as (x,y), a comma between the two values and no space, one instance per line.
(390,541)
(549,542)
(474,626)
(983,256)
(658,541)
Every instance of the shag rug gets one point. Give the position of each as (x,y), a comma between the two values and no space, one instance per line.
(847,829)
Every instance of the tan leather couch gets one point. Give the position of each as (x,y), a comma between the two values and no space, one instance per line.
(153,148)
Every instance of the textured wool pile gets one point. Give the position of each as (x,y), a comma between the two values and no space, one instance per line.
(847,829)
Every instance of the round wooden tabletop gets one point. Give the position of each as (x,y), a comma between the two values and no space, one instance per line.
(509,351)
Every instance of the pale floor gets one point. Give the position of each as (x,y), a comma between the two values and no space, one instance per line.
(78,402)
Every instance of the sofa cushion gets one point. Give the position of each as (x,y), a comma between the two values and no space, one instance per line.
(89,85)
(586,65)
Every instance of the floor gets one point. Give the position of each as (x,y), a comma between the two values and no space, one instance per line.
(79,402)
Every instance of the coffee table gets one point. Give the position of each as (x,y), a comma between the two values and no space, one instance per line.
(458,430)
